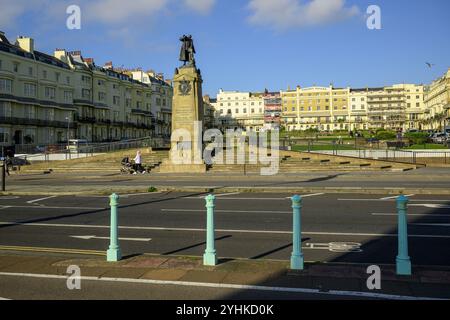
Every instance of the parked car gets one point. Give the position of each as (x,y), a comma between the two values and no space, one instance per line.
(439,137)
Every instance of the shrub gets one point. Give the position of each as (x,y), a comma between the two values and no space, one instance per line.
(417,137)
(386,135)
(152,189)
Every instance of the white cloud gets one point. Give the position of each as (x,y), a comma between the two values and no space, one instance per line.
(284,14)
(119,11)
(200,6)
(10,10)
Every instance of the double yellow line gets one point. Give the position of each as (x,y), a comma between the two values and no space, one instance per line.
(53,250)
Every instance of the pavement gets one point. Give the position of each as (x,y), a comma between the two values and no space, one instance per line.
(420,181)
(185,278)
(162,236)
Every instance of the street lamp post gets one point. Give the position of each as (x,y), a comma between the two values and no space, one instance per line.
(68,133)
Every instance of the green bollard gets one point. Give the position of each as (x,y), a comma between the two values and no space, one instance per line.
(113,253)
(210,258)
(297,261)
(403,261)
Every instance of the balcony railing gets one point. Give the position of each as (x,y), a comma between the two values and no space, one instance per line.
(37,122)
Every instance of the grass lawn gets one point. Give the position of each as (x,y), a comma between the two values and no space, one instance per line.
(323,148)
(430,146)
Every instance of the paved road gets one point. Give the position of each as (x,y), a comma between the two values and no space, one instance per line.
(26,288)
(338,228)
(426,178)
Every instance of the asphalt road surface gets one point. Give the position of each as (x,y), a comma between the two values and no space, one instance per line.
(336,227)
(25,288)
(424,177)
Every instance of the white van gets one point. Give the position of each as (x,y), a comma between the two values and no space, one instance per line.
(76,145)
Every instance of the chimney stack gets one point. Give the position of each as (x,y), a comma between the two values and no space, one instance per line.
(26,44)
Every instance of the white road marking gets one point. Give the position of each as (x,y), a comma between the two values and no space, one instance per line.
(271,199)
(413,214)
(311,195)
(49,207)
(308,195)
(54,225)
(432,224)
(138,194)
(411,200)
(4,207)
(4,298)
(232,211)
(395,197)
(264,198)
(430,205)
(226,194)
(226,286)
(41,199)
(9,198)
(107,238)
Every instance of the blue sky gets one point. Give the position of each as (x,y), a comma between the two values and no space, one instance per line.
(249,45)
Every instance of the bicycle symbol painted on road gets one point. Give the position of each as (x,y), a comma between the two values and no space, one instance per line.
(341,247)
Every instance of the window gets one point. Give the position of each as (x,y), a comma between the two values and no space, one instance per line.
(116,100)
(4,135)
(417,105)
(245,110)
(29,90)
(15,67)
(253,110)
(5,85)
(86,94)
(57,75)
(1,65)
(30,71)
(44,74)
(101,96)
(5,109)
(67,80)
(237,111)
(101,82)
(50,93)
(86,79)
(29,112)
(68,96)
(221,111)
(229,111)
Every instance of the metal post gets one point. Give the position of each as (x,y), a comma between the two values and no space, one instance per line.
(210,258)
(403,261)
(3,174)
(113,253)
(297,260)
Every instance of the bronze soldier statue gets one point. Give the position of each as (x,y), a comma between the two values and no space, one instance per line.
(187,50)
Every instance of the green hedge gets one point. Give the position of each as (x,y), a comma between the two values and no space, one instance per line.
(386,135)
(417,137)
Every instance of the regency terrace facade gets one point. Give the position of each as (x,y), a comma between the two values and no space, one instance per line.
(399,107)
(47,99)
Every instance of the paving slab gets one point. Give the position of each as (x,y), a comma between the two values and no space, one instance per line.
(164,274)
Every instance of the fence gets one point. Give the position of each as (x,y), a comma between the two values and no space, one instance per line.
(60,152)
(368,149)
